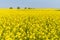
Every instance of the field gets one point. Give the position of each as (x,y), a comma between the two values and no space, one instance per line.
(29,24)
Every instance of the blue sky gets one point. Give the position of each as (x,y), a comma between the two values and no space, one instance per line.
(30,3)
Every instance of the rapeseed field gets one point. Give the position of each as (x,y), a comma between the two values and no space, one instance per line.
(29,24)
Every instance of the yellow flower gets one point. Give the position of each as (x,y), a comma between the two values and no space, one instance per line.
(20,39)
(8,37)
(30,36)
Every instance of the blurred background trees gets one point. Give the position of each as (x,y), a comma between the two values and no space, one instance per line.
(11,8)
(20,8)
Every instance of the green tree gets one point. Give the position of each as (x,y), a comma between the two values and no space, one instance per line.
(18,7)
(11,8)
(25,7)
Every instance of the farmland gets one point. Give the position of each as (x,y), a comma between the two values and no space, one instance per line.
(29,24)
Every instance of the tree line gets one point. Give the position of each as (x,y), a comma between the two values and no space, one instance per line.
(24,8)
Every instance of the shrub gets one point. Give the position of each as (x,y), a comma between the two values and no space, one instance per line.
(11,8)
(25,7)
(18,7)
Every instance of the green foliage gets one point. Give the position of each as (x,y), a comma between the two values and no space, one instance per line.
(18,7)
(11,8)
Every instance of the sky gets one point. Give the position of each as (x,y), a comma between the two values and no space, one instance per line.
(30,3)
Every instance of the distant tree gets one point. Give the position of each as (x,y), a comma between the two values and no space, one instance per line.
(29,8)
(18,7)
(11,8)
(25,7)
